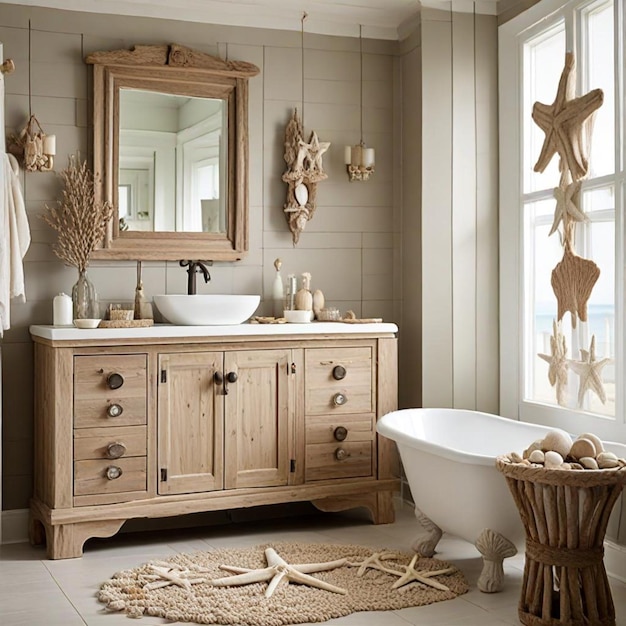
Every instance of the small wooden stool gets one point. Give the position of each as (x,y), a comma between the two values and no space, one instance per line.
(565,514)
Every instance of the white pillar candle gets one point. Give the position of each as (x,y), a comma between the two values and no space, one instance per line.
(368,157)
(50,145)
(347,155)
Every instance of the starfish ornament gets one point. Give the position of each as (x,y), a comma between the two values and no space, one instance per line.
(316,149)
(558,363)
(590,372)
(563,122)
(567,200)
(424,576)
(278,570)
(572,281)
(375,561)
(163,575)
(409,575)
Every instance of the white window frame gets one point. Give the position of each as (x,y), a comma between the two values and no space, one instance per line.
(512,36)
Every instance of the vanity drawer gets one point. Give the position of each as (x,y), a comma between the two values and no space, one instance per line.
(343,459)
(339,428)
(107,443)
(110,390)
(338,380)
(90,477)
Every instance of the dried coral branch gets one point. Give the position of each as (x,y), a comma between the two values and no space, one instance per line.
(79,221)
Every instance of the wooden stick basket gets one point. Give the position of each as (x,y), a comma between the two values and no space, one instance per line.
(565,514)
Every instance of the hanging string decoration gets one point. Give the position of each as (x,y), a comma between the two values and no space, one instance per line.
(567,124)
(304,167)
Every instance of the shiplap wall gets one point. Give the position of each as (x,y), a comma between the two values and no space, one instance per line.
(459,229)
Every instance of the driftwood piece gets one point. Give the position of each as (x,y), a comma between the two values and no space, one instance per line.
(567,123)
(572,280)
(304,170)
(172,55)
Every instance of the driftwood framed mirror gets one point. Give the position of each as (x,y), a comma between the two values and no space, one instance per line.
(171,153)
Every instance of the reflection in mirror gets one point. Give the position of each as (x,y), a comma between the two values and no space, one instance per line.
(172,162)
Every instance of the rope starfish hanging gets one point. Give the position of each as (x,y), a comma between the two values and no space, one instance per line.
(565,123)
(558,363)
(590,372)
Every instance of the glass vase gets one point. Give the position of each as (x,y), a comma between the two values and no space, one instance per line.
(85,298)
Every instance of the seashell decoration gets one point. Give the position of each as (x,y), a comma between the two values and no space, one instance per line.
(557,451)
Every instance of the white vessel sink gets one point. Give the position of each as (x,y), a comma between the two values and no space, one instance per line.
(206,309)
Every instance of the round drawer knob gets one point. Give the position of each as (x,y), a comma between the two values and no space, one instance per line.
(116,450)
(340,433)
(339,399)
(339,372)
(231,377)
(341,454)
(113,472)
(114,410)
(115,380)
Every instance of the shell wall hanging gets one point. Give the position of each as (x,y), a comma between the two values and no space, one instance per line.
(567,124)
(304,166)
(304,171)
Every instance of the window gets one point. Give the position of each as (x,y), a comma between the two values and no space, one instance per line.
(532,55)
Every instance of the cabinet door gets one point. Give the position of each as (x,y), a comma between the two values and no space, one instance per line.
(191,423)
(257,443)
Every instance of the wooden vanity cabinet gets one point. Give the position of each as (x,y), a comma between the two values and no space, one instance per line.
(158,427)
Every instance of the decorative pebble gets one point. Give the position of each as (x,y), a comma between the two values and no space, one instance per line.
(588,462)
(597,442)
(515,457)
(582,447)
(607,460)
(553,459)
(535,445)
(537,456)
(557,441)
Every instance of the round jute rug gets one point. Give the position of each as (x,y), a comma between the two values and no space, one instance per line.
(181,588)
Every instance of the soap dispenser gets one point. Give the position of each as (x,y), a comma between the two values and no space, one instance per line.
(277,290)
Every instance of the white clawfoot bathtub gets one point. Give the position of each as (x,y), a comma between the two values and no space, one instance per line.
(449,461)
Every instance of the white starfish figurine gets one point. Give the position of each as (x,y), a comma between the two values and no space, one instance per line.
(558,363)
(590,372)
(277,570)
(423,576)
(375,561)
(163,574)
(409,575)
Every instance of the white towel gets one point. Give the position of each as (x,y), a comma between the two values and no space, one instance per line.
(14,238)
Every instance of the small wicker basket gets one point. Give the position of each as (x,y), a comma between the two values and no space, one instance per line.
(565,514)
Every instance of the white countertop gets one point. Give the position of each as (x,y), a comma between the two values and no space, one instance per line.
(160,331)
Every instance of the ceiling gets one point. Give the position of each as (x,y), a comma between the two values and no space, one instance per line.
(381,19)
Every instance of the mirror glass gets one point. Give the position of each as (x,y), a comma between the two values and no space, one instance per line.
(172,162)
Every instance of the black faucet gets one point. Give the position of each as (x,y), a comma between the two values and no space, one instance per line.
(193,268)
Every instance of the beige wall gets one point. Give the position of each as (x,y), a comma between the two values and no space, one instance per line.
(348,246)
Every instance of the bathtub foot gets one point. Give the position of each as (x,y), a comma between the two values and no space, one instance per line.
(426,543)
(495,548)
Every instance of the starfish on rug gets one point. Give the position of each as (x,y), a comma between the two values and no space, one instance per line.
(278,570)
(409,575)
(163,574)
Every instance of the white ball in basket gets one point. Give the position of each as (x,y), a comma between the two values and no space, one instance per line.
(87,323)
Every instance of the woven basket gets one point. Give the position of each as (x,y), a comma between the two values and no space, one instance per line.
(565,514)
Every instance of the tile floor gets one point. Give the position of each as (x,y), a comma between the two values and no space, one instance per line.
(37,592)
